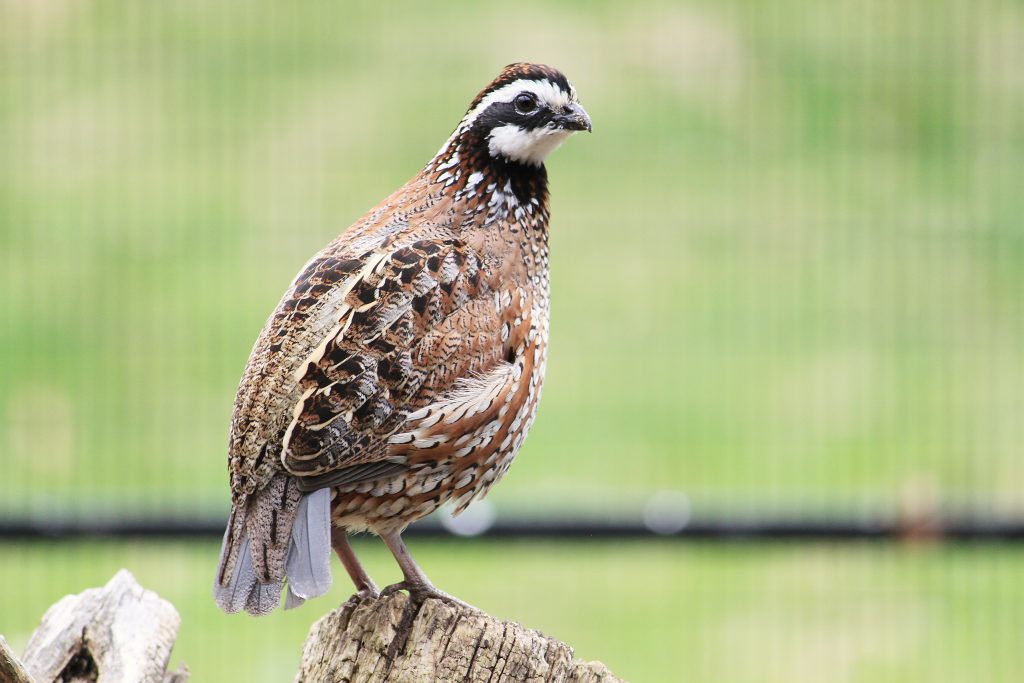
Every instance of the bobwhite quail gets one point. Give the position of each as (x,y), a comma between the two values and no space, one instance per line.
(403,366)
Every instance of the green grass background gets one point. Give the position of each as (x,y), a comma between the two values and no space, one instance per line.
(651,611)
(788,269)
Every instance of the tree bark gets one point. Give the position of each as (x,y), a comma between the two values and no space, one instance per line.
(120,632)
(11,670)
(391,640)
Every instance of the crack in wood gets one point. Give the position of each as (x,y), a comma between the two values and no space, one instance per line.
(402,632)
(501,646)
(476,650)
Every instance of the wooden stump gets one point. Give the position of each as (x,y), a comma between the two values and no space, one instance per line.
(390,639)
(121,632)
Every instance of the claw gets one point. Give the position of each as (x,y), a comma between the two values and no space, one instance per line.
(421,592)
(368,593)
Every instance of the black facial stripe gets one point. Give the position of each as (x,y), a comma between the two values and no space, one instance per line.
(502,113)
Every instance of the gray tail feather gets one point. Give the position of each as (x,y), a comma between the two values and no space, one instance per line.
(234,593)
(307,566)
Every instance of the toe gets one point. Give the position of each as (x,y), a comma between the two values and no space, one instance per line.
(421,594)
(393,588)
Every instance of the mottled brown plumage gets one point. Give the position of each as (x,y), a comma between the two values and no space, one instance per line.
(403,367)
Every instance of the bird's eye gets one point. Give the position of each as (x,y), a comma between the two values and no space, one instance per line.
(525,103)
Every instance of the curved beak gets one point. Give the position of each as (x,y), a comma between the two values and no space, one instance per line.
(574,118)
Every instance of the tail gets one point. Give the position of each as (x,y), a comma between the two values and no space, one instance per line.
(276,534)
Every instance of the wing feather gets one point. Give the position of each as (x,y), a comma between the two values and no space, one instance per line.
(381,358)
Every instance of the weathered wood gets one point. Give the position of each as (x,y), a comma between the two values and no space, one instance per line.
(390,640)
(11,670)
(120,632)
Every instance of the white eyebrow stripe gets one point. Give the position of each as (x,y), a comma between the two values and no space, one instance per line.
(547,93)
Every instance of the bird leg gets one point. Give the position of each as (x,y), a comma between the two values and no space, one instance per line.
(365,587)
(416,582)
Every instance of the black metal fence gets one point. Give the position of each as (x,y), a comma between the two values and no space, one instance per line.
(728,528)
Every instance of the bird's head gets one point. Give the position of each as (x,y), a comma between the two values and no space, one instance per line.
(524,114)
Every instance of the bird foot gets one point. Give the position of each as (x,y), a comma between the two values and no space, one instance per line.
(368,592)
(421,592)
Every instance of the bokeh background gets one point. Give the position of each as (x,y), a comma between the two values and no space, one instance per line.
(788,276)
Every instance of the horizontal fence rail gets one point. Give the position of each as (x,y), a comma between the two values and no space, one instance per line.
(725,528)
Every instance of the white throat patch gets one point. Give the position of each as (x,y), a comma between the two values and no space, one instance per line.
(525,146)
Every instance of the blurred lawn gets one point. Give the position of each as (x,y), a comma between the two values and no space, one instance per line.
(788,269)
(787,264)
(652,612)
